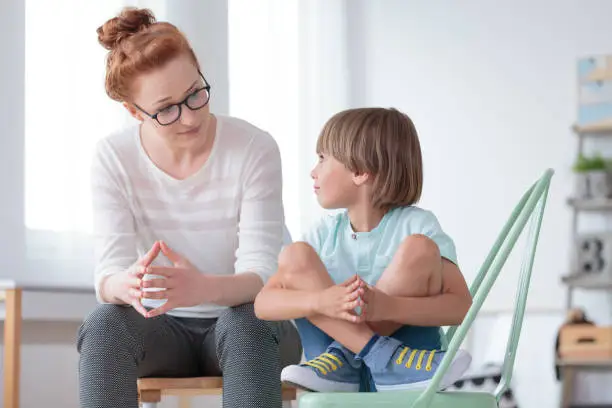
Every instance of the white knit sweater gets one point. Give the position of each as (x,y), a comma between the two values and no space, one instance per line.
(227,218)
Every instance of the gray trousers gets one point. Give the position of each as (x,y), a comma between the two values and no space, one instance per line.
(117,346)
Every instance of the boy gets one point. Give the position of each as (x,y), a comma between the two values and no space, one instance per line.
(381,254)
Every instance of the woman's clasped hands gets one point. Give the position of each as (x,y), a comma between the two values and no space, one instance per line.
(180,285)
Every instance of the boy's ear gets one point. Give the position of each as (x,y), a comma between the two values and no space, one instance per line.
(360,179)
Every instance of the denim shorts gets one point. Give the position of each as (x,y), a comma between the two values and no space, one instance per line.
(315,342)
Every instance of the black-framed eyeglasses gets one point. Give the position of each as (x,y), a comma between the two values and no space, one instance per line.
(171,113)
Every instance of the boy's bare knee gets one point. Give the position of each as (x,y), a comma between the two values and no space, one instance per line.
(417,261)
(298,254)
(418,249)
(296,259)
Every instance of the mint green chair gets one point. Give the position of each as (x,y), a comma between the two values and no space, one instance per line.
(531,206)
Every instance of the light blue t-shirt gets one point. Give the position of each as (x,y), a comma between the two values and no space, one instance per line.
(345,252)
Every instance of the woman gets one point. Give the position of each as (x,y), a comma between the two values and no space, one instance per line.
(198,196)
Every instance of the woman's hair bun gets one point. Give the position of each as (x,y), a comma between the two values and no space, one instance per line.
(130,21)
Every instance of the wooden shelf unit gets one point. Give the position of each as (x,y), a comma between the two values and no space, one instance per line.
(569,366)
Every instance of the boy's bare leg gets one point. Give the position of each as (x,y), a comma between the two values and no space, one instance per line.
(300,268)
(415,270)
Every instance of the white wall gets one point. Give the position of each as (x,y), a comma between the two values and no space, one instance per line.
(12,84)
(492,91)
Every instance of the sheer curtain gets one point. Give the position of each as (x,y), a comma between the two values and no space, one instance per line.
(289,74)
(263,71)
(66,112)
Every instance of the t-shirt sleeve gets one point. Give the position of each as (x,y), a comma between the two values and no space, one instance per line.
(262,222)
(427,224)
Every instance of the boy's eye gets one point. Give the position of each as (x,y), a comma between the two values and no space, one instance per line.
(321,157)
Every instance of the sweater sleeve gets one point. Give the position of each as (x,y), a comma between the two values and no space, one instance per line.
(261,226)
(113,223)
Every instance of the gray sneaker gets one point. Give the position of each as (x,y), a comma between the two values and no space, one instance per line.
(336,370)
(395,366)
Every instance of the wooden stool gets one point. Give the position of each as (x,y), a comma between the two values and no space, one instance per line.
(150,390)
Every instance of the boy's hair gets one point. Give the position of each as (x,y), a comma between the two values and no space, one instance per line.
(381,142)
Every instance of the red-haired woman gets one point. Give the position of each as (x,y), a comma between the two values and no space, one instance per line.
(189,223)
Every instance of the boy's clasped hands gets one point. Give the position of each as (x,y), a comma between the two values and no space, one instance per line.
(353,300)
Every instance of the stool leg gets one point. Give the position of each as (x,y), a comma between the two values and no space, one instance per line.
(569,377)
(288,394)
(150,398)
(184,402)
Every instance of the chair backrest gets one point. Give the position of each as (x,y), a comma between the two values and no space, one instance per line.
(530,207)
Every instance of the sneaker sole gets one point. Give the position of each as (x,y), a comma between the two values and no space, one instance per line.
(309,381)
(456,369)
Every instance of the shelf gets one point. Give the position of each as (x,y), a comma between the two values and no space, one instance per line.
(575,362)
(591,204)
(600,74)
(599,129)
(595,405)
(588,282)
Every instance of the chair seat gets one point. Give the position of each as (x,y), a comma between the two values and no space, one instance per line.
(397,399)
(151,389)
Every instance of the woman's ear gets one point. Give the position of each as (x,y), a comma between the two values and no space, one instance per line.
(136,114)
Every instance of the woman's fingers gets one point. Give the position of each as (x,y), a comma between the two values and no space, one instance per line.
(156,283)
(160,294)
(135,293)
(139,307)
(134,282)
(174,257)
(165,271)
(160,310)
(150,256)
(138,271)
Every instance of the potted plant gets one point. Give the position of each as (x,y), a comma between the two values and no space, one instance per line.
(581,178)
(593,179)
